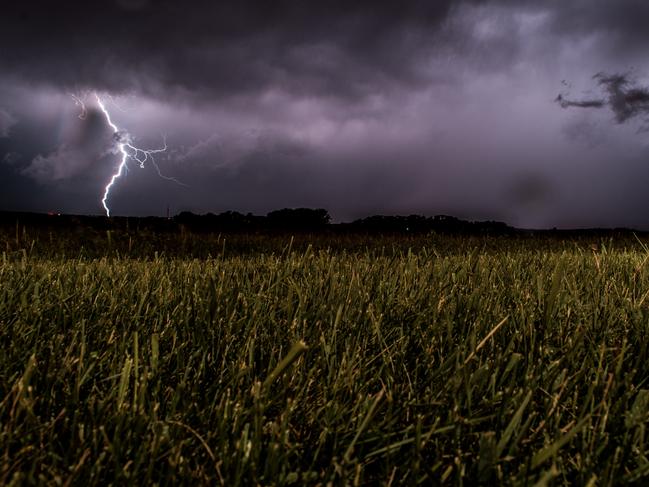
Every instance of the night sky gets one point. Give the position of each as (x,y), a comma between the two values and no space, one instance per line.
(529,112)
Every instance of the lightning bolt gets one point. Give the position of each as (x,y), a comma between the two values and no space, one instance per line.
(126,149)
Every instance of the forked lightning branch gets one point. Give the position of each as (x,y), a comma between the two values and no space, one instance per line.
(126,150)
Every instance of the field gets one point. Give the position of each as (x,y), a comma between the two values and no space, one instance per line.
(243,360)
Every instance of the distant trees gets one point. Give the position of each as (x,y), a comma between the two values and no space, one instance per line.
(314,220)
(227,221)
(293,219)
(422,224)
(299,219)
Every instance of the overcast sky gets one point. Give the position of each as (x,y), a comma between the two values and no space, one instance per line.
(445,107)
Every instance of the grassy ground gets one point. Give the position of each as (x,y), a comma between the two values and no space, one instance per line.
(460,362)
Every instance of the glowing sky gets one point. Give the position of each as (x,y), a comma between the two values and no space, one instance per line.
(357,107)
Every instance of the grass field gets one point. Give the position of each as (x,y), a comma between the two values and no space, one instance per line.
(346,362)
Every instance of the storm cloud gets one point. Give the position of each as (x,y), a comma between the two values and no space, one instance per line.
(86,140)
(360,107)
(625,99)
(6,122)
(341,49)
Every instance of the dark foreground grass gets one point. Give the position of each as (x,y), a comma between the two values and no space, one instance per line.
(315,367)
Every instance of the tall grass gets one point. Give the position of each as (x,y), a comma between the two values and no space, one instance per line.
(308,366)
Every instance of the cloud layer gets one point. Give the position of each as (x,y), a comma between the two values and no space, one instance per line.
(6,122)
(360,107)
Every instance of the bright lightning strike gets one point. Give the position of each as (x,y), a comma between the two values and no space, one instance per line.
(126,149)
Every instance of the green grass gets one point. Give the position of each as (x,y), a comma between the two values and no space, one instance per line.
(488,361)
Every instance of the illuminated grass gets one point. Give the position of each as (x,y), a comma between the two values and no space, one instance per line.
(419,367)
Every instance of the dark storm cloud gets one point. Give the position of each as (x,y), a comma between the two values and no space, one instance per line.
(623,23)
(566,103)
(221,48)
(626,99)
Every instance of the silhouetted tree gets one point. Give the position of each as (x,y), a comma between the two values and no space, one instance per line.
(298,219)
